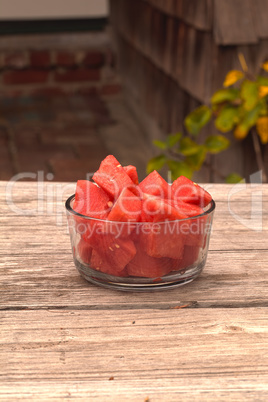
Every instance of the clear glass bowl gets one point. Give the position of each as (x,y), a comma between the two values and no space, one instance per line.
(139,256)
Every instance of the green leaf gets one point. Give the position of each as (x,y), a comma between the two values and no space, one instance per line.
(173,139)
(263,107)
(197,119)
(216,143)
(196,160)
(227,118)
(249,120)
(156,163)
(225,95)
(188,146)
(262,80)
(160,144)
(233,178)
(179,168)
(250,94)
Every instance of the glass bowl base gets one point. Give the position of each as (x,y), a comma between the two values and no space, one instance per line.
(139,284)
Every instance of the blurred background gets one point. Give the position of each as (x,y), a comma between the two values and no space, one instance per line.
(85,78)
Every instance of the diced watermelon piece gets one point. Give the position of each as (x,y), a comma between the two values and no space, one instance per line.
(155,209)
(162,239)
(186,190)
(194,230)
(154,184)
(148,267)
(111,254)
(185,208)
(112,177)
(100,263)
(91,200)
(84,251)
(190,256)
(126,208)
(131,171)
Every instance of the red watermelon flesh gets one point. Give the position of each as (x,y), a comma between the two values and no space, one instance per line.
(84,251)
(154,184)
(190,256)
(186,190)
(156,209)
(143,265)
(131,171)
(126,208)
(114,253)
(194,230)
(112,177)
(91,200)
(185,208)
(191,229)
(100,263)
(162,239)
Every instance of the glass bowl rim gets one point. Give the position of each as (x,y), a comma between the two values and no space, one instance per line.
(68,207)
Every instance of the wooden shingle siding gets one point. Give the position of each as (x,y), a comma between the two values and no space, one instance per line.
(260,17)
(196,68)
(197,13)
(233,22)
(174,54)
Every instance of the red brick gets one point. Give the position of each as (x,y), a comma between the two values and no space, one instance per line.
(110,89)
(88,91)
(78,75)
(111,58)
(40,59)
(94,59)
(49,92)
(25,77)
(11,93)
(16,59)
(66,59)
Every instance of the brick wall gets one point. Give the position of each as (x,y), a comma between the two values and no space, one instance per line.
(44,62)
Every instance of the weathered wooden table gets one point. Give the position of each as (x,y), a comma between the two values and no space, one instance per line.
(62,337)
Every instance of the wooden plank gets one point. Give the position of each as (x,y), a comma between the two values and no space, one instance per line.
(36,252)
(50,280)
(147,353)
(260,12)
(233,23)
(190,389)
(194,63)
(198,14)
(62,337)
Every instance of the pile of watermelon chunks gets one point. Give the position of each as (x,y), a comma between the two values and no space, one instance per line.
(138,229)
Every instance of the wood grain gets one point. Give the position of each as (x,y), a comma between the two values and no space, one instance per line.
(61,337)
(233,22)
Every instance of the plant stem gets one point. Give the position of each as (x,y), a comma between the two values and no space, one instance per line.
(258,153)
